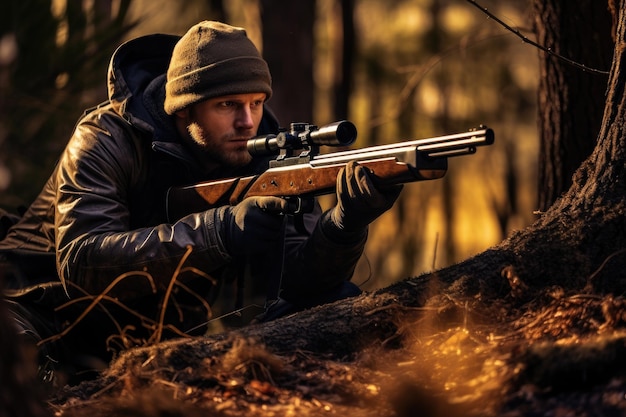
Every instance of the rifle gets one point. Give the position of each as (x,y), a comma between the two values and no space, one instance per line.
(299,172)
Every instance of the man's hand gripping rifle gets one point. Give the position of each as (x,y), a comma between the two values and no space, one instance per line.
(299,172)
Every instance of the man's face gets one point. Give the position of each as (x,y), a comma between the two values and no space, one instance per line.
(220,127)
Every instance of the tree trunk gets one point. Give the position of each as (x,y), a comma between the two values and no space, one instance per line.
(571,100)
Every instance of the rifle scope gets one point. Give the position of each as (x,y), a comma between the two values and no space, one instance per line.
(304,136)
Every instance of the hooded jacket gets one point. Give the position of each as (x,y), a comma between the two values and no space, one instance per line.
(101,218)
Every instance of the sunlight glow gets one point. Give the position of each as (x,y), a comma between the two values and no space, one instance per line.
(457,18)
(430,99)
(58,8)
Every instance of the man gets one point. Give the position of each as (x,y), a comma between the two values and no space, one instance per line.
(97,266)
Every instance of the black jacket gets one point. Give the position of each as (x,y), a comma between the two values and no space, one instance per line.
(102,212)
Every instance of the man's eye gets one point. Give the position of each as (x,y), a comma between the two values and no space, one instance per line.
(226,104)
(257,103)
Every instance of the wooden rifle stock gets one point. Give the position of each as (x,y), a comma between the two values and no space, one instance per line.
(307,176)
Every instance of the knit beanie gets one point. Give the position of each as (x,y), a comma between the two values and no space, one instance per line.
(214,59)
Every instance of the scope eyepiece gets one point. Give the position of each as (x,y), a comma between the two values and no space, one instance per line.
(263,145)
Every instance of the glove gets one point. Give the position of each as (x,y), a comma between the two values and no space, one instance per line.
(252,226)
(359,202)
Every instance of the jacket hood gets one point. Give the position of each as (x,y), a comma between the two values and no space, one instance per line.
(138,68)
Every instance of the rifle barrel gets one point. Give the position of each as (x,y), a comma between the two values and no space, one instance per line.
(438,147)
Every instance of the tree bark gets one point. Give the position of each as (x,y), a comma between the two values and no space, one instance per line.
(570,99)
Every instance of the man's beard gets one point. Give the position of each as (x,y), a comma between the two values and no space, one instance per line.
(211,152)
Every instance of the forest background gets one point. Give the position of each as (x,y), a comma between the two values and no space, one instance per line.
(410,69)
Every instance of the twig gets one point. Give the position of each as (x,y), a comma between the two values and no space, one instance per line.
(601,267)
(525,39)
(156,337)
(94,303)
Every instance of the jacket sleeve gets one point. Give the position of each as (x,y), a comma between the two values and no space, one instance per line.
(94,243)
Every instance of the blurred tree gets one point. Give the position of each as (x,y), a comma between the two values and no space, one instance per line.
(344,78)
(217,9)
(53,64)
(288,48)
(571,100)
(436,40)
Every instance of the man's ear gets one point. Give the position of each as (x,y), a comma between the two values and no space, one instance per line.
(182,121)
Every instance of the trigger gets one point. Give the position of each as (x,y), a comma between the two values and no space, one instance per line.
(298,205)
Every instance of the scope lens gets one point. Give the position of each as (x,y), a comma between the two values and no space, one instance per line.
(335,134)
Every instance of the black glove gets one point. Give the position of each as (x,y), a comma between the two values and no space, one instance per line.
(359,202)
(252,226)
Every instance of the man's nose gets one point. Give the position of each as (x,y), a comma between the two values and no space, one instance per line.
(244,117)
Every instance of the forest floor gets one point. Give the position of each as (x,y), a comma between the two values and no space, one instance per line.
(555,355)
